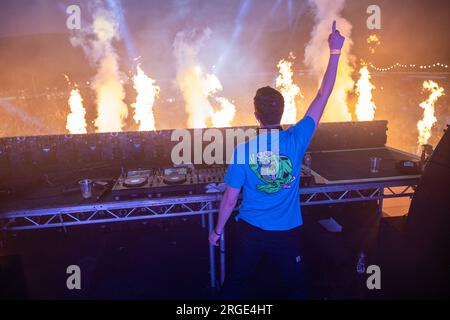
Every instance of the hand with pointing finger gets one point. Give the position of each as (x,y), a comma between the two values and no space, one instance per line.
(335,40)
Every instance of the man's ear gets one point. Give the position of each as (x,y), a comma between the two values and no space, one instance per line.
(257,118)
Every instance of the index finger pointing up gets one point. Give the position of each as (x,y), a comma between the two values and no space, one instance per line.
(333,28)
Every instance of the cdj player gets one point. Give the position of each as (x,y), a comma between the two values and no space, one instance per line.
(174,181)
(155,183)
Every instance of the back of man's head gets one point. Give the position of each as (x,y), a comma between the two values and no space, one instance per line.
(269,106)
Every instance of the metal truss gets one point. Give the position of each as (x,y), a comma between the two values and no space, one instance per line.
(358,192)
(119,212)
(204,206)
(108,212)
(144,209)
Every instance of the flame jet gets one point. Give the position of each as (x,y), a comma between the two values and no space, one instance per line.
(288,89)
(365,108)
(197,86)
(97,43)
(225,115)
(76,120)
(429,119)
(147,92)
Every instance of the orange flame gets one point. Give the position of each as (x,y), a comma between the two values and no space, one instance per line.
(147,92)
(76,122)
(365,108)
(374,41)
(223,117)
(99,47)
(199,88)
(288,89)
(429,119)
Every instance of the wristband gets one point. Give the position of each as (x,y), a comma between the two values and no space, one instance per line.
(335,51)
(217,234)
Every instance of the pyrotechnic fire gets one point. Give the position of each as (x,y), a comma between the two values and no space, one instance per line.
(223,117)
(76,121)
(374,41)
(199,87)
(429,119)
(365,108)
(110,93)
(288,89)
(99,48)
(147,92)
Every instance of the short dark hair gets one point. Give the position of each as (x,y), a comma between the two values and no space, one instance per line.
(269,106)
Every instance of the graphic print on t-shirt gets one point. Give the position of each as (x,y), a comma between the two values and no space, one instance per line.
(273,169)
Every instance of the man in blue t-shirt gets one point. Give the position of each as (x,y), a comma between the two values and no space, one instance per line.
(269,218)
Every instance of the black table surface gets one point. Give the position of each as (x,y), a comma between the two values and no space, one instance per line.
(42,198)
(355,164)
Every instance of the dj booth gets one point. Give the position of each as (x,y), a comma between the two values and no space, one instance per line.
(39,176)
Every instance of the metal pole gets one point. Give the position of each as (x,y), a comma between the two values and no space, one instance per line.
(212,260)
(222,258)
(62,222)
(203,221)
(380,201)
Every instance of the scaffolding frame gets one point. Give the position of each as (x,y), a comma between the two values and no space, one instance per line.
(197,205)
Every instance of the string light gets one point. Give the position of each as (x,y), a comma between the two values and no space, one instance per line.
(409,66)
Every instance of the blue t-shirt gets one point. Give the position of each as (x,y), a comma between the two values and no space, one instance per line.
(268,168)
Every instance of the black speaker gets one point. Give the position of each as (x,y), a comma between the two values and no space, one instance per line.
(413,252)
(428,224)
(349,135)
(429,214)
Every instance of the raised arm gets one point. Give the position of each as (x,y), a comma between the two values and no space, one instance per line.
(335,41)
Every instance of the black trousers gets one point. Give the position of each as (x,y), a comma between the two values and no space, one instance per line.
(282,248)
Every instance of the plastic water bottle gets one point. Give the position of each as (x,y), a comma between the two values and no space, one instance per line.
(308,162)
(361,265)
